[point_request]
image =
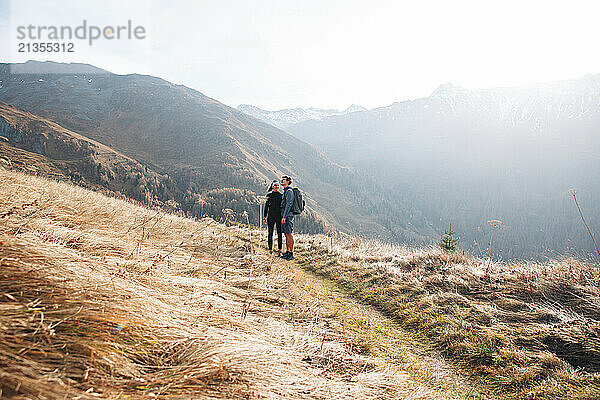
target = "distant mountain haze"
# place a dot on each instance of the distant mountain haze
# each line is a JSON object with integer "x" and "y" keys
{"x": 464, "y": 157}
{"x": 186, "y": 148}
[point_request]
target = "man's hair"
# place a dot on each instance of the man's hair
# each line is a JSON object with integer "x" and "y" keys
{"x": 287, "y": 178}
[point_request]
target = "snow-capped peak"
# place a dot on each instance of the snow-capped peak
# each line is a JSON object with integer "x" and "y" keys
{"x": 290, "y": 116}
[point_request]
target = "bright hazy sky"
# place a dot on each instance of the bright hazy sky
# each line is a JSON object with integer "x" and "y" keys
{"x": 324, "y": 53}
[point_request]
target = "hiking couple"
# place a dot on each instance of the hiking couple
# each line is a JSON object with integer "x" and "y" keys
{"x": 280, "y": 209}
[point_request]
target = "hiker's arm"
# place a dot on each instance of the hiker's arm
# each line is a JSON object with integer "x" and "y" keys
{"x": 289, "y": 200}
{"x": 266, "y": 212}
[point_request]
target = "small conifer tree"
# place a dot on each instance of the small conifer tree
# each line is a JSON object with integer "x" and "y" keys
{"x": 448, "y": 241}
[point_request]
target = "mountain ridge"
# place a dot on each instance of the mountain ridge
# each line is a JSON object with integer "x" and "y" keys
{"x": 286, "y": 117}
{"x": 217, "y": 157}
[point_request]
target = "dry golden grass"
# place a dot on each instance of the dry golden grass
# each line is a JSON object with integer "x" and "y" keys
{"x": 103, "y": 298}
{"x": 523, "y": 331}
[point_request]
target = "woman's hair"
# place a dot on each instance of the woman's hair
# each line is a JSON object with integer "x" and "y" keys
{"x": 270, "y": 189}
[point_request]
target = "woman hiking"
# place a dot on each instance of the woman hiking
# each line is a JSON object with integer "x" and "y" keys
{"x": 272, "y": 215}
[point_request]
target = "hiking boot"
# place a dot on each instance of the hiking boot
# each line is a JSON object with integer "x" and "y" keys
{"x": 283, "y": 255}
{"x": 288, "y": 256}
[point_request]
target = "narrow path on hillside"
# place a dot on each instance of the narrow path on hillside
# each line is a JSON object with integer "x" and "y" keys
{"x": 341, "y": 318}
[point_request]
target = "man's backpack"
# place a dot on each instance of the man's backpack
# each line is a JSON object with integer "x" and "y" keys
{"x": 298, "y": 204}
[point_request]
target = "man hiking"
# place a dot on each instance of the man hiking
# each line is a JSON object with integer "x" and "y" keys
{"x": 287, "y": 217}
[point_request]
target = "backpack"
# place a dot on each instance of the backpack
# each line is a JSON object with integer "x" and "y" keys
{"x": 298, "y": 204}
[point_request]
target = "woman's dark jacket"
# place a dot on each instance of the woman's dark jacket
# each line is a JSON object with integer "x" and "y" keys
{"x": 273, "y": 206}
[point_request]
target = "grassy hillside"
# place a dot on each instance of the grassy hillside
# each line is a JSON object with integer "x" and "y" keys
{"x": 524, "y": 331}
{"x": 101, "y": 298}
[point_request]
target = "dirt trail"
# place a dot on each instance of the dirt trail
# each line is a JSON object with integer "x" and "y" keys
{"x": 343, "y": 318}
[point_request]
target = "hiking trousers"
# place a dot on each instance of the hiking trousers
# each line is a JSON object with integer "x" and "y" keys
{"x": 271, "y": 224}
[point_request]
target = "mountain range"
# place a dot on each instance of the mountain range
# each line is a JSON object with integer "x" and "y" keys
{"x": 493, "y": 165}
{"x": 287, "y": 117}
{"x": 468, "y": 157}
{"x": 145, "y": 138}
